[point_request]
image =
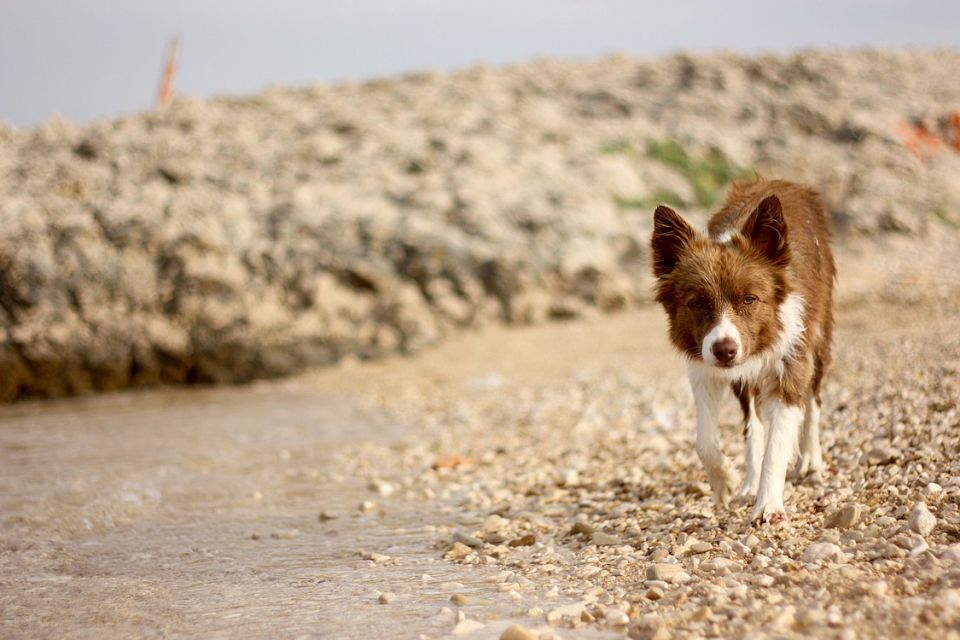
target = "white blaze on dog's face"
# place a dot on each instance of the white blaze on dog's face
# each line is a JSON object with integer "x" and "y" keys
{"x": 722, "y": 298}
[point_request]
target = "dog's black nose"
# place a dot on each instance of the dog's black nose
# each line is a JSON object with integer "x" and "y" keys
{"x": 725, "y": 350}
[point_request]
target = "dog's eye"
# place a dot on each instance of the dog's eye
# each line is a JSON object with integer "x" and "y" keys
{"x": 748, "y": 299}
{"x": 699, "y": 302}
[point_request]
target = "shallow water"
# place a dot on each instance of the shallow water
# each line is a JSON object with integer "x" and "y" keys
{"x": 195, "y": 513}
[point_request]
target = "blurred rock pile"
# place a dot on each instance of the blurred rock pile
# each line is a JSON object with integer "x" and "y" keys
{"x": 231, "y": 239}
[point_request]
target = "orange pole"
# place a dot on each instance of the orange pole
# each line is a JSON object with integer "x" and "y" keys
{"x": 165, "y": 95}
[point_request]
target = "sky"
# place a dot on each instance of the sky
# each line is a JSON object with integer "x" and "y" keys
{"x": 89, "y": 59}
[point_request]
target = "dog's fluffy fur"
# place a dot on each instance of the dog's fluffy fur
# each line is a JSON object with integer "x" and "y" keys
{"x": 750, "y": 304}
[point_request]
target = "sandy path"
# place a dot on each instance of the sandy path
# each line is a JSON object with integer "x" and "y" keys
{"x": 188, "y": 513}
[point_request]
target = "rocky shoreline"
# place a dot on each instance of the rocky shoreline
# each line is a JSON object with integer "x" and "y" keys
{"x": 232, "y": 239}
{"x": 586, "y": 494}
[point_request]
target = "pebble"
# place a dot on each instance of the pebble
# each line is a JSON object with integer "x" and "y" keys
{"x": 921, "y": 520}
{"x": 467, "y": 540}
{"x": 700, "y": 547}
{"x": 466, "y": 627}
{"x": 285, "y": 534}
{"x": 882, "y": 455}
{"x": 822, "y": 551}
{"x": 933, "y": 488}
{"x": 664, "y": 571}
{"x": 518, "y": 632}
{"x": 602, "y": 539}
{"x": 582, "y": 528}
{"x": 386, "y": 597}
{"x": 845, "y": 517}
{"x": 654, "y": 593}
{"x": 701, "y": 614}
{"x": 571, "y": 611}
{"x": 494, "y": 523}
{"x": 458, "y": 551}
{"x": 525, "y": 541}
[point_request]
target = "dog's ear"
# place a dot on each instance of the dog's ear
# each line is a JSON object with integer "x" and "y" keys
{"x": 671, "y": 234}
{"x": 767, "y": 230}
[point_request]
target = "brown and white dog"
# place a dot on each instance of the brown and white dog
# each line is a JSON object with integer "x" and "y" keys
{"x": 750, "y": 305}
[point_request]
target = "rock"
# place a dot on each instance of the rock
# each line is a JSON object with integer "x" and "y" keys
{"x": 822, "y": 552}
{"x": 952, "y": 554}
{"x": 461, "y": 600}
{"x": 382, "y": 487}
{"x": 466, "y": 627}
{"x": 569, "y": 611}
{"x": 845, "y": 517}
{"x": 386, "y": 597}
{"x": 525, "y": 541}
{"x": 882, "y": 455}
{"x": 602, "y": 539}
{"x": 325, "y": 516}
{"x": 654, "y": 593}
{"x": 467, "y": 540}
{"x": 285, "y": 534}
{"x": 581, "y": 527}
{"x": 458, "y": 551}
{"x": 700, "y": 547}
{"x": 664, "y": 571}
{"x": 494, "y": 523}
{"x": 617, "y": 618}
{"x": 933, "y": 488}
{"x": 701, "y": 614}
{"x": 921, "y": 520}
{"x": 518, "y": 632}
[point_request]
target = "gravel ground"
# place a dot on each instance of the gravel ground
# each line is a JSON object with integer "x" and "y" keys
{"x": 586, "y": 492}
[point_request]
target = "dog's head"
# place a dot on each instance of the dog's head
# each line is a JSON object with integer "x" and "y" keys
{"x": 722, "y": 298}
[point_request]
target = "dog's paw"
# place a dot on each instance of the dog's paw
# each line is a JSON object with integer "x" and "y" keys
{"x": 809, "y": 469}
{"x": 723, "y": 483}
{"x": 767, "y": 514}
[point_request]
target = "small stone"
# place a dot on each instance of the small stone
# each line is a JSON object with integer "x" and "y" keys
{"x": 285, "y": 534}
{"x": 582, "y": 528}
{"x": 882, "y": 455}
{"x": 494, "y": 523}
{"x": 382, "y": 487}
{"x": 877, "y": 588}
{"x": 785, "y": 619}
{"x": 386, "y": 597}
{"x": 468, "y": 540}
{"x": 602, "y": 539}
{"x": 845, "y": 517}
{"x": 664, "y": 571}
{"x": 701, "y": 614}
{"x": 654, "y": 593}
{"x": 952, "y": 554}
{"x": 460, "y": 600}
{"x": 368, "y": 506}
{"x": 458, "y": 551}
{"x": 325, "y": 516}
{"x": 822, "y": 551}
{"x": 700, "y": 547}
{"x": 518, "y": 632}
{"x": 466, "y": 627}
{"x": 617, "y": 618}
{"x": 921, "y": 520}
{"x": 570, "y": 611}
{"x": 933, "y": 488}
{"x": 525, "y": 541}
{"x": 811, "y": 617}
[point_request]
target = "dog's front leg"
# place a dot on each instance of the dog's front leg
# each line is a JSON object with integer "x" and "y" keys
{"x": 707, "y": 392}
{"x": 783, "y": 426}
